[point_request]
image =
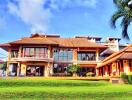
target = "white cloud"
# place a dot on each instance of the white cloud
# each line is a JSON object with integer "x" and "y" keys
{"x": 59, "y": 4}
{"x": 34, "y": 14}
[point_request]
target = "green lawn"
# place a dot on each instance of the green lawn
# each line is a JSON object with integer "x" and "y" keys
{"x": 38, "y": 89}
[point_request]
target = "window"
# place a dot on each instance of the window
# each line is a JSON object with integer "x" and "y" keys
{"x": 31, "y": 52}
{"x": 63, "y": 55}
{"x": 87, "y": 56}
{"x": 35, "y": 52}
{"x": 26, "y": 52}
{"x": 14, "y": 54}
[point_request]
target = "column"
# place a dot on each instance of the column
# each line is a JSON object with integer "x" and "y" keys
{"x": 117, "y": 69}
{"x": 97, "y": 55}
{"x": 23, "y": 70}
{"x": 18, "y": 69}
{"x": 106, "y": 71}
{"x": 126, "y": 66}
{"x": 20, "y": 52}
{"x": 75, "y": 56}
{"x": 48, "y": 70}
{"x": 7, "y": 69}
{"x": 49, "y": 51}
{"x": 97, "y": 72}
{"x": 9, "y": 54}
{"x": 51, "y": 69}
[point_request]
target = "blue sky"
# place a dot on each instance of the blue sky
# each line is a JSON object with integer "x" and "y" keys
{"x": 20, "y": 18}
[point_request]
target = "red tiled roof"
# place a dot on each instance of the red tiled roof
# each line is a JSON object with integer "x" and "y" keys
{"x": 125, "y": 53}
{"x": 39, "y": 40}
{"x": 126, "y": 56}
{"x": 55, "y": 40}
{"x": 76, "y": 42}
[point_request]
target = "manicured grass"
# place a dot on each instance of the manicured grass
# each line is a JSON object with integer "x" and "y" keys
{"x": 39, "y": 89}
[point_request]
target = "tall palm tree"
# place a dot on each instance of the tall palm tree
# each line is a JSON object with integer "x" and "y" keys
{"x": 124, "y": 11}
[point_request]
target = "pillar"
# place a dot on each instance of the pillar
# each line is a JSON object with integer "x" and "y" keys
{"x": 117, "y": 69}
{"x": 74, "y": 56}
{"x": 49, "y": 51}
{"x": 51, "y": 69}
{"x": 18, "y": 69}
{"x": 48, "y": 70}
{"x": 106, "y": 71}
{"x": 23, "y": 70}
{"x": 20, "y": 52}
{"x": 126, "y": 66}
{"x": 97, "y": 55}
{"x": 97, "y": 72}
{"x": 9, "y": 54}
{"x": 7, "y": 69}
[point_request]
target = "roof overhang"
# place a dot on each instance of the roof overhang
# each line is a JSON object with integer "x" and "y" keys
{"x": 5, "y": 46}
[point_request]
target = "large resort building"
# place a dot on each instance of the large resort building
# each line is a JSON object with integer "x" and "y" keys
{"x": 50, "y": 55}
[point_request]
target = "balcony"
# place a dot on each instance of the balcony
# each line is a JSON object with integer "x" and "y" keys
{"x": 41, "y": 57}
{"x": 32, "y": 59}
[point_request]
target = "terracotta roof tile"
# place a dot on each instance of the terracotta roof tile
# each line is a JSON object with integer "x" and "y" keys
{"x": 125, "y": 53}
{"x": 62, "y": 42}
{"x": 126, "y": 56}
{"x": 76, "y": 42}
{"x": 39, "y": 40}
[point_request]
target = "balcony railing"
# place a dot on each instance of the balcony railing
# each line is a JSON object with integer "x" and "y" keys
{"x": 40, "y": 57}
{"x": 87, "y": 62}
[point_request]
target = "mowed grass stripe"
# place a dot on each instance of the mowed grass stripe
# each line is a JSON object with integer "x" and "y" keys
{"x": 15, "y": 89}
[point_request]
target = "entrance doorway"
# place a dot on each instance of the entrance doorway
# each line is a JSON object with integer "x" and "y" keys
{"x": 84, "y": 70}
{"x": 33, "y": 70}
{"x": 13, "y": 69}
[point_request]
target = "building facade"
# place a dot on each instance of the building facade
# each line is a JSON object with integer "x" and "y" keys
{"x": 50, "y": 55}
{"x": 117, "y": 63}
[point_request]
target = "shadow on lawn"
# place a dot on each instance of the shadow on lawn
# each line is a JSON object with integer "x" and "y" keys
{"x": 50, "y": 83}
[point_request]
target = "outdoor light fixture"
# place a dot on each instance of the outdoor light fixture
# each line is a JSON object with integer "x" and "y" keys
{"x": 130, "y": 3}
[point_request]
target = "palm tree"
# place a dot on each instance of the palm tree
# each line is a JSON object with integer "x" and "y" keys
{"x": 124, "y": 11}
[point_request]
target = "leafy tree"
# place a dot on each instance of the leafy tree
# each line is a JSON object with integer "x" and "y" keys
{"x": 124, "y": 11}
{"x": 4, "y": 66}
{"x": 73, "y": 69}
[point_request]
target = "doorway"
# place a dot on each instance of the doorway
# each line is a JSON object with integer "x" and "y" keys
{"x": 33, "y": 70}
{"x": 13, "y": 69}
{"x": 84, "y": 70}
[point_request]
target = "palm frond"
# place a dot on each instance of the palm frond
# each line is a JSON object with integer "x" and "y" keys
{"x": 125, "y": 23}
{"x": 121, "y": 4}
{"x": 118, "y": 3}
{"x": 114, "y": 18}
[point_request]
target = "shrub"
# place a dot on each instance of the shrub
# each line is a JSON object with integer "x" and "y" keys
{"x": 130, "y": 77}
{"x": 123, "y": 75}
{"x": 73, "y": 69}
{"x": 4, "y": 66}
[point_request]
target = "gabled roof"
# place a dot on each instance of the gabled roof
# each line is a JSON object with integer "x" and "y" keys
{"x": 56, "y": 40}
{"x": 125, "y": 53}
